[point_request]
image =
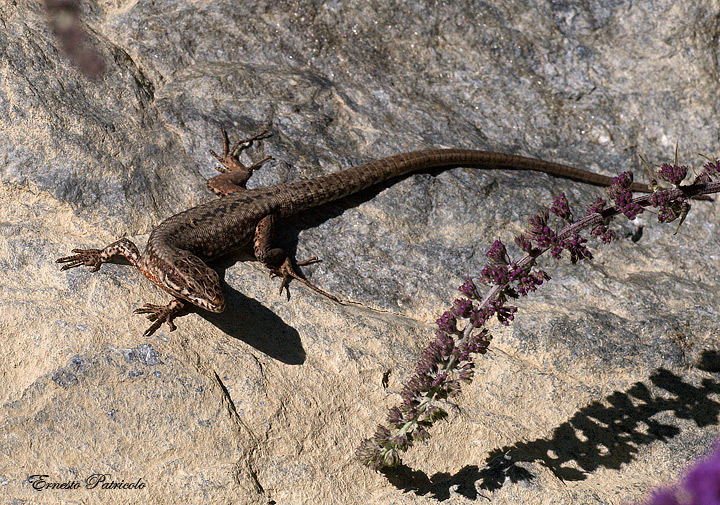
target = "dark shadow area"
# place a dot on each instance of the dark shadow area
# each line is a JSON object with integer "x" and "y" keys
{"x": 597, "y": 436}
{"x": 286, "y": 234}
{"x": 249, "y": 321}
{"x": 709, "y": 361}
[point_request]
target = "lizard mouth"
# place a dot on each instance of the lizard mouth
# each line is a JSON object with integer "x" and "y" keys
{"x": 216, "y": 304}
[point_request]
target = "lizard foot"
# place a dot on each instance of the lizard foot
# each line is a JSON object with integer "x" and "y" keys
{"x": 160, "y": 314}
{"x": 287, "y": 271}
{"x": 230, "y": 159}
{"x": 87, "y": 257}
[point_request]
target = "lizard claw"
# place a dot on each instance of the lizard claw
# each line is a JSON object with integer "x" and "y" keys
{"x": 87, "y": 257}
{"x": 287, "y": 272}
{"x": 160, "y": 314}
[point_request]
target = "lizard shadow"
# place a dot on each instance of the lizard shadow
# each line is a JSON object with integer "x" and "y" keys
{"x": 600, "y": 435}
{"x": 248, "y": 320}
{"x": 286, "y": 236}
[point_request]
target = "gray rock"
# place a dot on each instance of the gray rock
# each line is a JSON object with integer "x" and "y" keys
{"x": 605, "y": 386}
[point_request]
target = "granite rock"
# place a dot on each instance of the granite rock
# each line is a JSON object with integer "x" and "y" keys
{"x": 607, "y": 384}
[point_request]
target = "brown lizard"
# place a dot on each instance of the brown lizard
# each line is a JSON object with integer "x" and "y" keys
{"x": 177, "y": 249}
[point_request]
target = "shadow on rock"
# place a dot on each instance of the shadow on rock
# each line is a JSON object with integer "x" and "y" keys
{"x": 600, "y": 435}
{"x": 248, "y": 320}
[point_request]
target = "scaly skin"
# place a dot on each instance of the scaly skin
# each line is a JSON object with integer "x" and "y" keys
{"x": 177, "y": 249}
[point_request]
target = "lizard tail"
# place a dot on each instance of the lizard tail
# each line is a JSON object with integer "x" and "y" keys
{"x": 304, "y": 194}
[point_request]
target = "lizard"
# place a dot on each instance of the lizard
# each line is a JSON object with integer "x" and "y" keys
{"x": 178, "y": 248}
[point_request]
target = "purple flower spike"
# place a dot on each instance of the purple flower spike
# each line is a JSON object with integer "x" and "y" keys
{"x": 446, "y": 363}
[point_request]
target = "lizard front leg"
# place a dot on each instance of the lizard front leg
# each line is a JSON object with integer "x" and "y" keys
{"x": 96, "y": 257}
{"x": 159, "y": 314}
{"x": 278, "y": 261}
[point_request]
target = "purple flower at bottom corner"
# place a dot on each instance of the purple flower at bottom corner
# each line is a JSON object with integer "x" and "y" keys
{"x": 703, "y": 481}
{"x": 701, "y": 486}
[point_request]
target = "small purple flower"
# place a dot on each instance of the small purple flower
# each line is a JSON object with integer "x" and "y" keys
{"x": 543, "y": 234}
{"x": 467, "y": 372}
{"x": 439, "y": 379}
{"x": 620, "y": 192}
{"x": 669, "y": 209}
{"x": 504, "y": 314}
{"x": 712, "y": 167}
{"x": 605, "y": 234}
{"x": 575, "y": 245}
{"x": 462, "y": 307}
{"x": 497, "y": 254}
{"x": 525, "y": 280}
{"x": 710, "y": 171}
{"x": 523, "y": 243}
{"x": 597, "y": 207}
{"x": 665, "y": 497}
{"x": 469, "y": 289}
{"x": 561, "y": 208}
{"x": 447, "y": 323}
{"x": 495, "y": 274}
{"x": 672, "y": 173}
{"x": 394, "y": 416}
{"x": 538, "y": 224}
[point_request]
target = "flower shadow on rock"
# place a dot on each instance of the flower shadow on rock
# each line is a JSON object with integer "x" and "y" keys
{"x": 597, "y": 436}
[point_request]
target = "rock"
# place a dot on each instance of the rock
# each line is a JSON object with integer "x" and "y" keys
{"x": 606, "y": 385}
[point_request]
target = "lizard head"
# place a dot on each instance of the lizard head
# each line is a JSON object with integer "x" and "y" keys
{"x": 189, "y": 278}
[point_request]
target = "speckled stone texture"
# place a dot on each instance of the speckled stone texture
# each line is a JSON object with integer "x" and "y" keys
{"x": 606, "y": 385}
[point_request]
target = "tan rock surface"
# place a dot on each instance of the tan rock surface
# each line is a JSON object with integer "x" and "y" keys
{"x": 606, "y": 386}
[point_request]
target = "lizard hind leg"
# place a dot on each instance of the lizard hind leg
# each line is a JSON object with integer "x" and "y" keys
{"x": 278, "y": 261}
{"x": 233, "y": 174}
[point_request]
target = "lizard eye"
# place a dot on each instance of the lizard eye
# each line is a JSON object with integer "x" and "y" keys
{"x": 173, "y": 279}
